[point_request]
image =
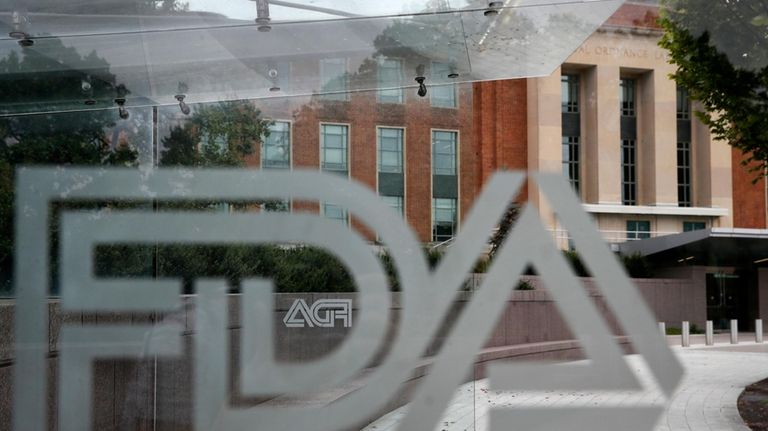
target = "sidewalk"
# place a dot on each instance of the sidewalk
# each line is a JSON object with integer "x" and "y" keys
{"x": 705, "y": 400}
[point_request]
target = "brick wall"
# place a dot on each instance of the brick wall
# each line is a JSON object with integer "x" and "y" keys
{"x": 748, "y": 198}
{"x": 363, "y": 114}
{"x": 500, "y": 115}
{"x": 636, "y": 15}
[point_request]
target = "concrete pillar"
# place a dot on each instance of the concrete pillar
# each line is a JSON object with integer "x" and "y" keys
{"x": 686, "y": 334}
{"x": 710, "y": 334}
{"x": 544, "y": 136}
{"x": 658, "y": 127}
{"x": 663, "y": 329}
{"x": 759, "y": 331}
{"x": 734, "y": 331}
{"x": 602, "y": 144}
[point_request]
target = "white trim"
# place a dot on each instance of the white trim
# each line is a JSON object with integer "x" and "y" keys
{"x": 656, "y": 210}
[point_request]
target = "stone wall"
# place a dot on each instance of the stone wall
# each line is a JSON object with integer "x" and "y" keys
{"x": 134, "y": 395}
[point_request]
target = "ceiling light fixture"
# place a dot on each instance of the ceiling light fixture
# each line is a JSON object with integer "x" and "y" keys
{"x": 19, "y": 22}
{"x": 262, "y": 16}
{"x": 182, "y": 94}
{"x": 422, "y": 92}
{"x": 494, "y": 8}
{"x": 761, "y": 260}
{"x": 120, "y": 102}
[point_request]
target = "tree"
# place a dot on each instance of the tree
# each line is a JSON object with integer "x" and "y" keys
{"x": 720, "y": 48}
{"x": 217, "y": 135}
{"x": 71, "y": 138}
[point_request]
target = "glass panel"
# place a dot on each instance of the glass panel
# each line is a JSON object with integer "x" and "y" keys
{"x": 444, "y": 152}
{"x": 334, "y": 147}
{"x": 390, "y": 150}
{"x": 443, "y": 96}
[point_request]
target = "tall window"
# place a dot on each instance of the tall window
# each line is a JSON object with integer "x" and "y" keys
{"x": 335, "y": 212}
{"x": 684, "y": 135}
{"x": 390, "y": 150}
{"x": 334, "y": 140}
{"x": 394, "y": 202}
{"x": 628, "y": 100}
{"x": 444, "y": 152}
{"x": 638, "y": 229}
{"x": 276, "y": 148}
{"x": 570, "y": 93}
{"x": 390, "y": 74}
{"x": 628, "y": 142}
{"x": 571, "y": 128}
{"x": 442, "y": 96}
{"x": 684, "y": 174}
{"x": 571, "y": 160}
{"x": 333, "y": 75}
{"x": 628, "y": 172}
{"x": 683, "y": 104}
{"x": 443, "y": 219}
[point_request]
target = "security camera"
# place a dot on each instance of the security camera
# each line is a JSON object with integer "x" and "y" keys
{"x": 422, "y": 87}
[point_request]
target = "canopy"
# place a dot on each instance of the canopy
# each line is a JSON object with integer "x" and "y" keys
{"x": 149, "y": 51}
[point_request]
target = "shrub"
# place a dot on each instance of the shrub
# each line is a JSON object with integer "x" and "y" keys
{"x": 524, "y": 285}
{"x": 637, "y": 266}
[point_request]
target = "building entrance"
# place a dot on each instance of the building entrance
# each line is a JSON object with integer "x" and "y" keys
{"x": 728, "y": 297}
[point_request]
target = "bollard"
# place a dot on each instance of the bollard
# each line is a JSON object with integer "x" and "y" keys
{"x": 759, "y": 331}
{"x": 734, "y": 331}
{"x": 686, "y": 334}
{"x": 663, "y": 329}
{"x": 710, "y": 335}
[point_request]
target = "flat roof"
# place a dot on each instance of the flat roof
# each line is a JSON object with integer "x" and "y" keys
{"x": 713, "y": 247}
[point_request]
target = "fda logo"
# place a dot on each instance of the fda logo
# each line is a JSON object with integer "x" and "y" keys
{"x": 424, "y": 303}
{"x": 322, "y": 314}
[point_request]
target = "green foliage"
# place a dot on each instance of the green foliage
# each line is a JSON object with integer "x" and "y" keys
{"x": 637, "y": 266}
{"x": 433, "y": 257}
{"x": 292, "y": 269}
{"x": 720, "y": 49}
{"x": 677, "y": 331}
{"x": 524, "y": 285}
{"x": 216, "y": 135}
{"x": 576, "y": 264}
{"x": 505, "y": 225}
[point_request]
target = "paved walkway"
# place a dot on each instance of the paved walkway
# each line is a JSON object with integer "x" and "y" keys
{"x": 705, "y": 400}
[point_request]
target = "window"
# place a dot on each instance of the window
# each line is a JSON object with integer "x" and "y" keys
{"x": 442, "y": 96}
{"x": 395, "y": 202}
{"x": 689, "y": 226}
{"x": 628, "y": 100}
{"x": 333, "y": 147}
{"x": 443, "y": 219}
{"x": 276, "y": 148}
{"x": 683, "y": 104}
{"x": 333, "y": 76}
{"x": 283, "y": 205}
{"x": 570, "y": 93}
{"x": 444, "y": 152}
{"x": 334, "y": 212}
{"x": 390, "y": 74}
{"x": 390, "y": 150}
{"x": 571, "y": 160}
{"x": 684, "y": 174}
{"x": 638, "y": 229}
{"x": 628, "y": 172}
